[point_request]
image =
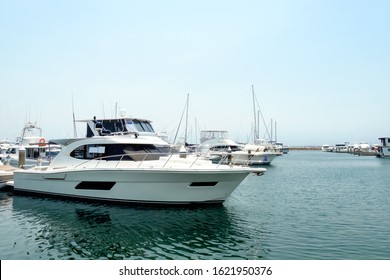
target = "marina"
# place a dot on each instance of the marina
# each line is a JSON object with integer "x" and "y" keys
{"x": 104, "y": 156}
{"x": 308, "y": 205}
{"x": 360, "y": 149}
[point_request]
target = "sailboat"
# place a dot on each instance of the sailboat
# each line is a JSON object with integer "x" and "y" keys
{"x": 182, "y": 145}
{"x": 266, "y": 147}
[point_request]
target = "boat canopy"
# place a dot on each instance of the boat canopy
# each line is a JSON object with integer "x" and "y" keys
{"x": 212, "y": 134}
{"x": 121, "y": 125}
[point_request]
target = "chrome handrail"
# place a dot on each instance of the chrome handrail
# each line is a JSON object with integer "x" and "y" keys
{"x": 121, "y": 157}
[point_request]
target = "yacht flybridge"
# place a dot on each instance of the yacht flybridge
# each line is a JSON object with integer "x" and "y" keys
{"x": 123, "y": 160}
{"x": 119, "y": 126}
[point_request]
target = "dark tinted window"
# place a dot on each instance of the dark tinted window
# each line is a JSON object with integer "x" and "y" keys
{"x": 134, "y": 152}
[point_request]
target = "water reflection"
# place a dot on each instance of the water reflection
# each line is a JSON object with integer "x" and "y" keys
{"x": 75, "y": 230}
{"x": 5, "y": 199}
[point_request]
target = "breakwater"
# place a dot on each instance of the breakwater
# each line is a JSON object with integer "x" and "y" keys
{"x": 305, "y": 148}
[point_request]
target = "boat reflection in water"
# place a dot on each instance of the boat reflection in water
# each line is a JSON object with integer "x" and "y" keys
{"x": 45, "y": 228}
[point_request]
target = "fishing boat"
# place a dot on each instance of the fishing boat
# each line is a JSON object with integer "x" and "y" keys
{"x": 30, "y": 149}
{"x": 130, "y": 164}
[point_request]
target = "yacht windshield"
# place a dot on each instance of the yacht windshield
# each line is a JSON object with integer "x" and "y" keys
{"x": 140, "y": 126}
{"x": 212, "y": 134}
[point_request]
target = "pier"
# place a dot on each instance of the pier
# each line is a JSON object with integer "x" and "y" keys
{"x": 353, "y": 151}
{"x": 305, "y": 148}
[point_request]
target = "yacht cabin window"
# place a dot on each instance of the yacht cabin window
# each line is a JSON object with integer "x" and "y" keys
{"x": 133, "y": 152}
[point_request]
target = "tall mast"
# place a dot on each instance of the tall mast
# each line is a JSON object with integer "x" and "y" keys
{"x": 185, "y": 134}
{"x": 254, "y": 116}
{"x": 276, "y": 133}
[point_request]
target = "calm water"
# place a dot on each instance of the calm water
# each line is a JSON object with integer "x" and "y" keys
{"x": 309, "y": 205}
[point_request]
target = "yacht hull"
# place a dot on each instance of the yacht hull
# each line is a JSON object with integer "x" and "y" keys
{"x": 244, "y": 158}
{"x": 264, "y": 159}
{"x": 132, "y": 185}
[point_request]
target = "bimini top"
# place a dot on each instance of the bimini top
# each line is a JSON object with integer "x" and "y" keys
{"x": 118, "y": 126}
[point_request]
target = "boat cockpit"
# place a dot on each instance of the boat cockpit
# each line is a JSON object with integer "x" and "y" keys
{"x": 118, "y": 126}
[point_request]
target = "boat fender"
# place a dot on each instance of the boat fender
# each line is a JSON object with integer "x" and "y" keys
{"x": 42, "y": 142}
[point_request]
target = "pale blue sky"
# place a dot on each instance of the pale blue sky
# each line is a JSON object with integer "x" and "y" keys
{"x": 320, "y": 69}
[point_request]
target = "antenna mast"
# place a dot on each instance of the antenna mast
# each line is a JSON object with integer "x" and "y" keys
{"x": 74, "y": 120}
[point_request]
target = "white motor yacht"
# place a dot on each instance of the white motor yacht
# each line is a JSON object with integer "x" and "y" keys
{"x": 134, "y": 167}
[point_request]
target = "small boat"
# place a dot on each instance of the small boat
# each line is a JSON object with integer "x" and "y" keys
{"x": 279, "y": 146}
{"x": 132, "y": 165}
{"x": 326, "y": 148}
{"x": 341, "y": 147}
{"x": 262, "y": 154}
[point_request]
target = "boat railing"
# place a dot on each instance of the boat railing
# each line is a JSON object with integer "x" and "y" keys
{"x": 229, "y": 158}
{"x": 142, "y": 158}
{"x": 162, "y": 158}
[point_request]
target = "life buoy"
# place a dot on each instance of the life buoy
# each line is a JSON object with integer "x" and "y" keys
{"x": 42, "y": 142}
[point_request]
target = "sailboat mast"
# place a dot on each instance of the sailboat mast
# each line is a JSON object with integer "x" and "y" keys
{"x": 185, "y": 135}
{"x": 276, "y": 133}
{"x": 254, "y": 116}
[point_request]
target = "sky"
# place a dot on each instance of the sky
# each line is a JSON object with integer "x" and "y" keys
{"x": 320, "y": 70}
